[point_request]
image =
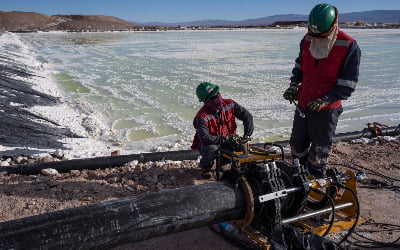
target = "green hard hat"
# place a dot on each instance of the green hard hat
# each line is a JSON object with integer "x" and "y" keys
{"x": 206, "y": 91}
{"x": 321, "y": 18}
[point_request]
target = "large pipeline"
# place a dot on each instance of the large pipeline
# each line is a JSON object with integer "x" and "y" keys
{"x": 117, "y": 161}
{"x": 133, "y": 219}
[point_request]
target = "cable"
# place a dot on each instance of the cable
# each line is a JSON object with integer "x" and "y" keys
{"x": 371, "y": 243}
{"x": 372, "y": 171}
{"x": 359, "y": 167}
{"x": 364, "y": 168}
{"x": 333, "y": 209}
{"x": 386, "y": 185}
{"x": 351, "y": 230}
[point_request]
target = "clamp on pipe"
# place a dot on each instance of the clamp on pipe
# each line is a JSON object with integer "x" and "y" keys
{"x": 249, "y": 215}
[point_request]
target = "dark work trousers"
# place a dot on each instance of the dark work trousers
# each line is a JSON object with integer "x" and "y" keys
{"x": 208, "y": 154}
{"x": 311, "y": 138}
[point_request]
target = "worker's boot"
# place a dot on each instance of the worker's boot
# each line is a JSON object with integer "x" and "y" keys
{"x": 316, "y": 171}
{"x": 206, "y": 171}
{"x": 206, "y": 175}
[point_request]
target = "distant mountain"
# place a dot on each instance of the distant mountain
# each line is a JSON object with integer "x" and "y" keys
{"x": 15, "y": 20}
{"x": 374, "y": 16}
{"x": 272, "y": 19}
{"x": 31, "y": 21}
{"x": 91, "y": 23}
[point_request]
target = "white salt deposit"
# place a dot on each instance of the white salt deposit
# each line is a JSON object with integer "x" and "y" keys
{"x": 140, "y": 85}
{"x": 76, "y": 116}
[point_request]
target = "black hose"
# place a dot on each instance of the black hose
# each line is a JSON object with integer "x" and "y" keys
{"x": 367, "y": 133}
{"x": 358, "y": 167}
{"x": 333, "y": 209}
{"x": 351, "y": 230}
{"x": 371, "y": 243}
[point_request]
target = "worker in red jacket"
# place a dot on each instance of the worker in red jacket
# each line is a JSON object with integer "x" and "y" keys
{"x": 325, "y": 73}
{"x": 215, "y": 122}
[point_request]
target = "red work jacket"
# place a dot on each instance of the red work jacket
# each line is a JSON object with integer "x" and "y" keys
{"x": 224, "y": 127}
{"x": 320, "y": 76}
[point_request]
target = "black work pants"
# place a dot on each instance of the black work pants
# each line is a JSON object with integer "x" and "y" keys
{"x": 209, "y": 152}
{"x": 311, "y": 138}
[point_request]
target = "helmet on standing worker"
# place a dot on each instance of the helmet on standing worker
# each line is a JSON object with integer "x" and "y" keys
{"x": 321, "y": 20}
{"x": 206, "y": 91}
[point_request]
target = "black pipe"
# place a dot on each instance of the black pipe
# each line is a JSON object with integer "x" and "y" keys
{"x": 367, "y": 133}
{"x": 99, "y": 162}
{"x": 347, "y": 136}
{"x": 117, "y": 161}
{"x": 133, "y": 219}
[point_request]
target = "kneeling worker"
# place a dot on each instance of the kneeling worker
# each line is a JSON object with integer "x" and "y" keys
{"x": 215, "y": 122}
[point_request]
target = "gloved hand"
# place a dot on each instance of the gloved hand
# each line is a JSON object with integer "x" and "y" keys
{"x": 317, "y": 104}
{"x": 234, "y": 139}
{"x": 291, "y": 93}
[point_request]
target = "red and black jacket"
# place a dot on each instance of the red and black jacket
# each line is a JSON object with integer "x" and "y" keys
{"x": 214, "y": 128}
{"x": 334, "y": 77}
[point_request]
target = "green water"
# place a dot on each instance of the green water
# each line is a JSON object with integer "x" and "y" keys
{"x": 69, "y": 83}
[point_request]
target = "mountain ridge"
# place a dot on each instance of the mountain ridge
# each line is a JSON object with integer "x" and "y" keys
{"x": 372, "y": 16}
{"x": 19, "y": 21}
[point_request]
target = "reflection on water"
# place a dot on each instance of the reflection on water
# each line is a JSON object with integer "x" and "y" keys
{"x": 75, "y": 38}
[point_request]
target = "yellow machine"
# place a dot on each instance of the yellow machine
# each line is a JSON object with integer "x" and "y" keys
{"x": 280, "y": 194}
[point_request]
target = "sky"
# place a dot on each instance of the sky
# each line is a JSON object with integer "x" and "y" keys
{"x": 188, "y": 10}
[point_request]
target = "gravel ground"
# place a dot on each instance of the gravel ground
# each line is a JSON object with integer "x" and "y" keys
{"x": 22, "y": 196}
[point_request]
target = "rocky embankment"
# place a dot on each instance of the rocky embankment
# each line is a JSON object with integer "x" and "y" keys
{"x": 17, "y": 21}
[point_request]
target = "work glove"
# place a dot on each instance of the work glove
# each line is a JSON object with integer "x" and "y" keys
{"x": 233, "y": 140}
{"x": 291, "y": 93}
{"x": 318, "y": 104}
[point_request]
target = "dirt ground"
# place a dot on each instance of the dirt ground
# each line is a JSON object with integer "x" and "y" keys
{"x": 22, "y": 196}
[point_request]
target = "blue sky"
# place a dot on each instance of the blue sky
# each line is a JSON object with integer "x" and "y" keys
{"x": 188, "y": 10}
